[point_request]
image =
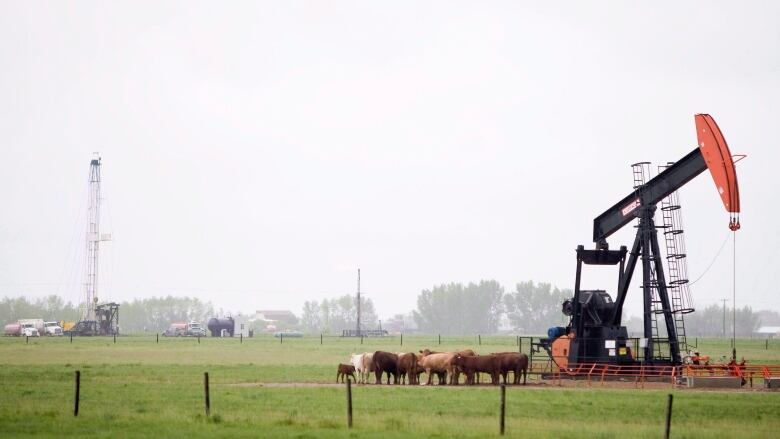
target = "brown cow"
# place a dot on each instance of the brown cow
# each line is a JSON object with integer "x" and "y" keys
{"x": 490, "y": 364}
{"x": 385, "y": 362}
{"x": 407, "y": 365}
{"x": 514, "y": 362}
{"x": 344, "y": 370}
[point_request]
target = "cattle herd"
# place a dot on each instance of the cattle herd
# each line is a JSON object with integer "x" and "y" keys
{"x": 406, "y": 367}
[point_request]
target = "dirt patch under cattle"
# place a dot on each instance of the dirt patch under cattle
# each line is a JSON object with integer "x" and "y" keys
{"x": 535, "y": 384}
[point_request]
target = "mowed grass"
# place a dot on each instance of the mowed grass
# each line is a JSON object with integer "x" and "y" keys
{"x": 138, "y": 387}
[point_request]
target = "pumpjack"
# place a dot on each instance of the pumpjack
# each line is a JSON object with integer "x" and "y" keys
{"x": 595, "y": 333}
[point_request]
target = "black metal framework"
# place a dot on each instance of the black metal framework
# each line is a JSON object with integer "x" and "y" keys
{"x": 595, "y": 320}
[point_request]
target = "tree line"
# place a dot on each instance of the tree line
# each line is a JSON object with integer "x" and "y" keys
{"x": 484, "y": 307}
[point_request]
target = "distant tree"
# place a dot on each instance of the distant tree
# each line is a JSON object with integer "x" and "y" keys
{"x": 534, "y": 308}
{"x": 48, "y": 308}
{"x": 708, "y": 322}
{"x": 337, "y": 314}
{"x": 458, "y": 309}
{"x": 310, "y": 318}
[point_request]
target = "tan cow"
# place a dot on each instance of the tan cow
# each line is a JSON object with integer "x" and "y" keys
{"x": 368, "y": 365}
{"x": 438, "y": 363}
{"x": 455, "y": 375}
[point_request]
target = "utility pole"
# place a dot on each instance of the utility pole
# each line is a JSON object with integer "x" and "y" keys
{"x": 724, "y": 316}
{"x": 358, "y": 304}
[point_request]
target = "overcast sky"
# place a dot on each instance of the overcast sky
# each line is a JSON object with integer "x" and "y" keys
{"x": 256, "y": 154}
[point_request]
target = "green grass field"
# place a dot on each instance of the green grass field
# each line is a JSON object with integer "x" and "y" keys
{"x": 138, "y": 387}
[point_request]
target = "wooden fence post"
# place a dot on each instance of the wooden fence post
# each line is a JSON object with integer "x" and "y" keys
{"x": 440, "y": 339}
{"x": 158, "y": 337}
{"x": 402, "y": 339}
{"x": 503, "y": 409}
{"x": 241, "y": 338}
{"x": 349, "y": 403}
{"x": 206, "y": 391}
{"x": 668, "y": 416}
{"x": 479, "y": 337}
{"x": 320, "y": 338}
{"x": 78, "y": 392}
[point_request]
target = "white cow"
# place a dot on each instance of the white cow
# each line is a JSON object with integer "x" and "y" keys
{"x": 357, "y": 361}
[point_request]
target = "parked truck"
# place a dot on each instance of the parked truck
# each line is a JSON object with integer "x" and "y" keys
{"x": 181, "y": 329}
{"x": 52, "y": 329}
{"x": 21, "y": 330}
{"x": 37, "y": 324}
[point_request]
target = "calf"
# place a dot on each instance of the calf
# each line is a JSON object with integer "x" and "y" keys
{"x": 490, "y": 364}
{"x": 385, "y": 362}
{"x": 344, "y": 371}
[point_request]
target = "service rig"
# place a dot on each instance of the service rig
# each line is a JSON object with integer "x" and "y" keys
{"x": 594, "y": 333}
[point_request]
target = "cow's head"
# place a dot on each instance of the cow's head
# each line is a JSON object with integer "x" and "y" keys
{"x": 426, "y": 352}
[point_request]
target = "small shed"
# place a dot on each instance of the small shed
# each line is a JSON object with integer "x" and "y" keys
{"x": 242, "y": 326}
{"x": 768, "y": 331}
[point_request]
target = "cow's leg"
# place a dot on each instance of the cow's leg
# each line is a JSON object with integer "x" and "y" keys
{"x": 430, "y": 375}
{"x": 378, "y": 374}
{"x": 338, "y": 374}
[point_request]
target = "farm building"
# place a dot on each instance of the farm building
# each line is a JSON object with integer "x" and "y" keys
{"x": 768, "y": 331}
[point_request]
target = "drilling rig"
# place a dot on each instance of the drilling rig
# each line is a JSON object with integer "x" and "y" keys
{"x": 595, "y": 333}
{"x": 96, "y": 318}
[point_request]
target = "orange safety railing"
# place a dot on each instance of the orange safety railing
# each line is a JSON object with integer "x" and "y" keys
{"x": 603, "y": 371}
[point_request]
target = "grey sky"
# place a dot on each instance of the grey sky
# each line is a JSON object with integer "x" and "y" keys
{"x": 255, "y": 154}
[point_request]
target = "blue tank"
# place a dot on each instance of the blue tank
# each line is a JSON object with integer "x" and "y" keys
{"x": 555, "y": 332}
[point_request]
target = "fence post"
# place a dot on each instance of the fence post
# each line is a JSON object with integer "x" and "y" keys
{"x": 349, "y": 403}
{"x": 402, "y": 339}
{"x": 440, "y": 339}
{"x": 519, "y": 344}
{"x": 115, "y": 338}
{"x": 766, "y": 347}
{"x": 206, "y": 390}
{"x": 199, "y": 339}
{"x": 78, "y": 391}
{"x": 320, "y": 338}
{"x": 241, "y": 338}
{"x": 28, "y": 339}
{"x": 281, "y": 337}
{"x": 479, "y": 338}
{"x": 361, "y": 338}
{"x": 668, "y": 416}
{"x": 503, "y": 409}
{"x": 71, "y": 336}
{"x": 158, "y": 337}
